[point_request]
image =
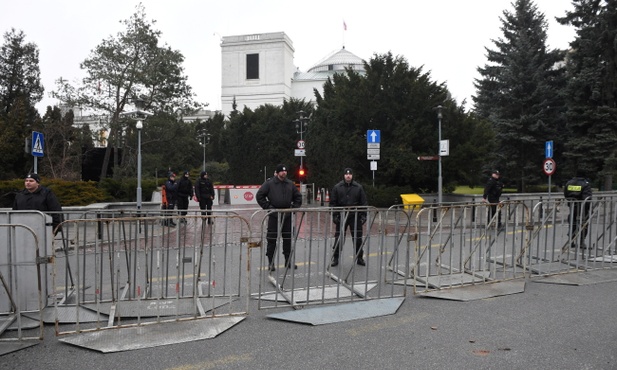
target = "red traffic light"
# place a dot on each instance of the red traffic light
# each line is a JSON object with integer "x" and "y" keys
{"x": 301, "y": 172}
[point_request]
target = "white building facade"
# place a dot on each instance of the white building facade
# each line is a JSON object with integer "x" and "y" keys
{"x": 258, "y": 69}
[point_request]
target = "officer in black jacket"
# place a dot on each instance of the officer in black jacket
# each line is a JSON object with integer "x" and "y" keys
{"x": 171, "y": 194}
{"x": 279, "y": 192}
{"x": 492, "y": 193}
{"x": 185, "y": 192}
{"x": 38, "y": 198}
{"x": 348, "y": 193}
{"x": 204, "y": 191}
{"x": 578, "y": 192}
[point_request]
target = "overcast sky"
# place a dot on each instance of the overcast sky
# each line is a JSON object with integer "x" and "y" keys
{"x": 447, "y": 37}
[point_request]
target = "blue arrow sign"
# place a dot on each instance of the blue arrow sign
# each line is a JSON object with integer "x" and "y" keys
{"x": 38, "y": 144}
{"x": 548, "y": 149}
{"x": 373, "y": 136}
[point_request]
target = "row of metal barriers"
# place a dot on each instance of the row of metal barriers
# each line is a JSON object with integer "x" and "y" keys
{"x": 104, "y": 270}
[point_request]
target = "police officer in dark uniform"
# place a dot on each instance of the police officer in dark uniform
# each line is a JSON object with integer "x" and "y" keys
{"x": 185, "y": 193}
{"x": 492, "y": 193}
{"x": 578, "y": 192}
{"x": 204, "y": 191}
{"x": 171, "y": 193}
{"x": 279, "y": 192}
{"x": 38, "y": 198}
{"x": 348, "y": 193}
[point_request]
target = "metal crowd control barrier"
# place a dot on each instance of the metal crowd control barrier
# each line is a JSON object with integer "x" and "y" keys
{"x": 573, "y": 236}
{"x": 22, "y": 283}
{"x": 315, "y": 281}
{"x": 127, "y": 268}
{"x": 119, "y": 270}
{"x": 457, "y": 249}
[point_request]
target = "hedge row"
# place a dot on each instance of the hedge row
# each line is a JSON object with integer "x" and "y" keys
{"x": 81, "y": 193}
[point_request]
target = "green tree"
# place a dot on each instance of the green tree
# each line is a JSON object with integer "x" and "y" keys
{"x": 256, "y": 141}
{"x": 19, "y": 71}
{"x": 130, "y": 65}
{"x": 20, "y": 90}
{"x": 519, "y": 93}
{"x": 592, "y": 89}
{"x": 400, "y": 101}
{"x": 15, "y": 127}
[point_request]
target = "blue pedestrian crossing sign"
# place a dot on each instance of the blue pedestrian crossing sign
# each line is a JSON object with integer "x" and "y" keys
{"x": 548, "y": 149}
{"x": 38, "y": 144}
{"x": 373, "y": 136}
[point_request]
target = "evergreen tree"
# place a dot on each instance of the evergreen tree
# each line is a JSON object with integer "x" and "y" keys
{"x": 400, "y": 101}
{"x": 519, "y": 93}
{"x": 19, "y": 71}
{"x": 592, "y": 89}
{"x": 20, "y": 90}
{"x": 254, "y": 142}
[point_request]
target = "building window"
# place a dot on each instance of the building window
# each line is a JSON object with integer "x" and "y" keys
{"x": 252, "y": 66}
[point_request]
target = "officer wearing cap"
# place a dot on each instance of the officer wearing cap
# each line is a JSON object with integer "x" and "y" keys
{"x": 348, "y": 193}
{"x": 204, "y": 191}
{"x": 36, "y": 197}
{"x": 279, "y": 192}
{"x": 492, "y": 193}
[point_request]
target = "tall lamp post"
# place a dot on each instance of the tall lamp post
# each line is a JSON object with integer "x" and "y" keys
{"x": 439, "y": 179}
{"x": 139, "y": 125}
{"x": 301, "y": 126}
{"x": 139, "y": 114}
{"x": 205, "y": 140}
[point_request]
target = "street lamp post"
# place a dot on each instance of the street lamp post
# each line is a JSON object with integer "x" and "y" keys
{"x": 139, "y": 114}
{"x": 205, "y": 140}
{"x": 439, "y": 179}
{"x": 139, "y": 126}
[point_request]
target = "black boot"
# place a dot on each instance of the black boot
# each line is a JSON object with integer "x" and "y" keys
{"x": 360, "y": 260}
{"x": 334, "y": 261}
{"x": 287, "y": 264}
{"x": 271, "y": 264}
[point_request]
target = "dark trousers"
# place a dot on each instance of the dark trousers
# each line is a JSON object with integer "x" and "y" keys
{"x": 492, "y": 209}
{"x": 354, "y": 224}
{"x": 183, "y": 205}
{"x": 578, "y": 221}
{"x": 169, "y": 211}
{"x": 274, "y": 220}
{"x": 206, "y": 206}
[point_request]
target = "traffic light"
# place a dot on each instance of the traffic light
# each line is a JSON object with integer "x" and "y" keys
{"x": 301, "y": 174}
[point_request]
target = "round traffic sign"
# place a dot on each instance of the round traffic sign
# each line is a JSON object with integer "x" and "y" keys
{"x": 301, "y": 144}
{"x": 549, "y": 166}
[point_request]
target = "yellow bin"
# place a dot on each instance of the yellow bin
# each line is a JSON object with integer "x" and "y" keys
{"x": 412, "y": 200}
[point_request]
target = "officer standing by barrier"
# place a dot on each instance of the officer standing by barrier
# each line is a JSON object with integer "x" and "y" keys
{"x": 578, "y": 192}
{"x": 171, "y": 195}
{"x": 38, "y": 198}
{"x": 279, "y": 192}
{"x": 348, "y": 193}
{"x": 492, "y": 193}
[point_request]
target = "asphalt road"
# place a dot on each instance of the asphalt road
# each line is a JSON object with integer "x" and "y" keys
{"x": 549, "y": 326}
